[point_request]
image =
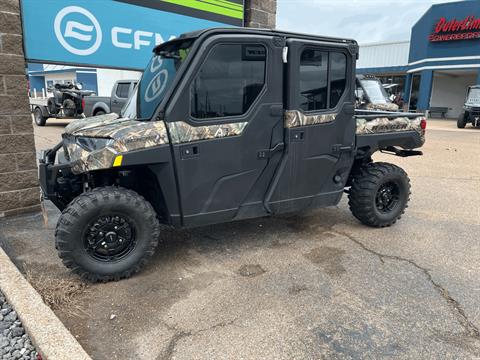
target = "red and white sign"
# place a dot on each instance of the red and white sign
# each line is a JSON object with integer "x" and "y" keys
{"x": 453, "y": 29}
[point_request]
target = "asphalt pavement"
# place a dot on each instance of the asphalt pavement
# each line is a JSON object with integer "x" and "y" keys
{"x": 309, "y": 286}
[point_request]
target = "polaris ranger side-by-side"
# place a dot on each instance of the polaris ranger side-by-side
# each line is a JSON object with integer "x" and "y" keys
{"x": 225, "y": 124}
{"x": 471, "y": 108}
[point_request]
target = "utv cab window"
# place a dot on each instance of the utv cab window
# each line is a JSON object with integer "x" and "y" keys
{"x": 313, "y": 80}
{"x": 229, "y": 81}
{"x": 322, "y": 75}
{"x": 375, "y": 91}
{"x": 474, "y": 97}
{"x": 338, "y": 77}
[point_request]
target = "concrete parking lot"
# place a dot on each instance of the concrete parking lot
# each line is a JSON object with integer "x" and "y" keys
{"x": 314, "y": 285}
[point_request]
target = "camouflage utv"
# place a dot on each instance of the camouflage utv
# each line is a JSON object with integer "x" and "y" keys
{"x": 225, "y": 124}
{"x": 371, "y": 95}
{"x": 471, "y": 108}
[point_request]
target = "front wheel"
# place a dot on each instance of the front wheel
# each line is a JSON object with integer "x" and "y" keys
{"x": 40, "y": 120}
{"x": 107, "y": 234}
{"x": 379, "y": 194}
{"x": 462, "y": 120}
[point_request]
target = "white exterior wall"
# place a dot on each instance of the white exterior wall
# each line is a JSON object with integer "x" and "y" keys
{"x": 449, "y": 90}
{"x": 107, "y": 77}
{"x": 383, "y": 54}
{"x": 65, "y": 76}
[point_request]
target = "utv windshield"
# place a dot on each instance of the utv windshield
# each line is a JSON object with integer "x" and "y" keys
{"x": 474, "y": 97}
{"x": 156, "y": 80}
{"x": 375, "y": 91}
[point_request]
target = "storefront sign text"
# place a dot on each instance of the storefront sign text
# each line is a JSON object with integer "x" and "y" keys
{"x": 449, "y": 30}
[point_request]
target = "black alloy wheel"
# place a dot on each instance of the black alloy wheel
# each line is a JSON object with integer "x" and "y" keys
{"x": 110, "y": 237}
{"x": 388, "y": 197}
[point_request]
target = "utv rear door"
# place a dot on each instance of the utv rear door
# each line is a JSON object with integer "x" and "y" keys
{"x": 319, "y": 126}
{"x": 223, "y": 123}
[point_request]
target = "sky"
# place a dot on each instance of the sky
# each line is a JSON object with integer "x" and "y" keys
{"x": 367, "y": 21}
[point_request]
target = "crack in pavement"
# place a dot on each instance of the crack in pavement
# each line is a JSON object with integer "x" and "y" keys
{"x": 180, "y": 334}
{"x": 471, "y": 329}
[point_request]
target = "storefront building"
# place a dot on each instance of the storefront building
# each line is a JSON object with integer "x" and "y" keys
{"x": 433, "y": 70}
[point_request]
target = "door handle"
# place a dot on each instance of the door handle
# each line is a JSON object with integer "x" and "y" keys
{"x": 189, "y": 151}
{"x": 268, "y": 153}
{"x": 297, "y": 135}
{"x": 276, "y": 110}
{"x": 115, "y": 101}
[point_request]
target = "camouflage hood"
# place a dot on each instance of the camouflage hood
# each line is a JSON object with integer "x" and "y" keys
{"x": 95, "y": 123}
{"x": 93, "y": 143}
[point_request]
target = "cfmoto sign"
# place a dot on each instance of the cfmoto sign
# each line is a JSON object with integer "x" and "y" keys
{"x": 69, "y": 29}
{"x": 104, "y": 33}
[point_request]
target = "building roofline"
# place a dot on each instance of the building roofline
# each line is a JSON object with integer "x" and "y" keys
{"x": 438, "y": 4}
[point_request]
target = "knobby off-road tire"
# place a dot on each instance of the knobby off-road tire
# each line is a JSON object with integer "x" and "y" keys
{"x": 40, "y": 120}
{"x": 462, "y": 121}
{"x": 69, "y": 108}
{"x": 107, "y": 234}
{"x": 379, "y": 194}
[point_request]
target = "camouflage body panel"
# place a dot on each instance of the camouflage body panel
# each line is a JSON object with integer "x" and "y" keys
{"x": 113, "y": 136}
{"x": 294, "y": 118}
{"x": 181, "y": 132}
{"x": 382, "y": 107}
{"x": 384, "y": 125}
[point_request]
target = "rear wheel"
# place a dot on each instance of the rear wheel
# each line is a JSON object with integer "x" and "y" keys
{"x": 462, "y": 120}
{"x": 107, "y": 234}
{"x": 40, "y": 120}
{"x": 379, "y": 194}
{"x": 99, "y": 112}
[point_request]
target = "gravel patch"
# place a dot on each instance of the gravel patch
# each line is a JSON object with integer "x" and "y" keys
{"x": 14, "y": 342}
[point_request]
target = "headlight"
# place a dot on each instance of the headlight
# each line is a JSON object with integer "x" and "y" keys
{"x": 79, "y": 86}
{"x": 91, "y": 143}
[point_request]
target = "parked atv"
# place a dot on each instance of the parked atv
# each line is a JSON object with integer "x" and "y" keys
{"x": 224, "y": 125}
{"x": 471, "y": 108}
{"x": 67, "y": 98}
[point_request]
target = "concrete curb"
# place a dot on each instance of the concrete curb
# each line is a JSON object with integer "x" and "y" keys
{"x": 51, "y": 338}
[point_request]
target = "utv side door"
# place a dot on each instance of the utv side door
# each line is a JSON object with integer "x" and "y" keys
{"x": 319, "y": 127}
{"x": 222, "y": 124}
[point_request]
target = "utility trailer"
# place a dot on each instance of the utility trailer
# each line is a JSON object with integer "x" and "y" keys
{"x": 224, "y": 125}
{"x": 39, "y": 109}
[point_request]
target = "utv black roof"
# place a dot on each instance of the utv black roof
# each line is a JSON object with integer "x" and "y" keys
{"x": 253, "y": 31}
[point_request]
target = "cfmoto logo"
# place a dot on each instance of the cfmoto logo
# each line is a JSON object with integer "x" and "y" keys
{"x": 72, "y": 33}
{"x": 156, "y": 86}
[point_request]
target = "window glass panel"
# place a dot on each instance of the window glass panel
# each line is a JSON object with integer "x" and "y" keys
{"x": 313, "y": 80}
{"x": 122, "y": 90}
{"x": 229, "y": 81}
{"x": 338, "y": 77}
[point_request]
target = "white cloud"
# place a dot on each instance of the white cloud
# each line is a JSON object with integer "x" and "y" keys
{"x": 366, "y": 21}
